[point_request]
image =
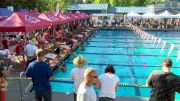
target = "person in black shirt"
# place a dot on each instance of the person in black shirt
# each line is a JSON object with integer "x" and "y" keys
{"x": 164, "y": 83}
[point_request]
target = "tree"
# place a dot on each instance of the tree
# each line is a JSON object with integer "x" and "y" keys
{"x": 114, "y": 3}
{"x": 64, "y": 4}
{"x": 101, "y": 1}
{"x": 88, "y": 1}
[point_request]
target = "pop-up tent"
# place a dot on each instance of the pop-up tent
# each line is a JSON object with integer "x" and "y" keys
{"x": 81, "y": 15}
{"x": 133, "y": 15}
{"x": 85, "y": 15}
{"x": 53, "y": 19}
{"x": 22, "y": 22}
{"x": 65, "y": 17}
{"x": 73, "y": 16}
{"x": 5, "y": 12}
{"x": 177, "y": 15}
{"x": 165, "y": 14}
{"x": 148, "y": 15}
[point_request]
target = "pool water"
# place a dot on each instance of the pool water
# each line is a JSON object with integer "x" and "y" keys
{"x": 134, "y": 59}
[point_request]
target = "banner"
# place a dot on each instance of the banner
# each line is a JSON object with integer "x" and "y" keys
{"x": 163, "y": 46}
{"x": 178, "y": 55}
{"x": 158, "y": 43}
{"x": 154, "y": 41}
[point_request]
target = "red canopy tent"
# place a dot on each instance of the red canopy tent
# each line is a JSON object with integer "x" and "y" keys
{"x": 80, "y": 15}
{"x": 85, "y": 15}
{"x": 73, "y": 16}
{"x": 53, "y": 19}
{"x": 65, "y": 17}
{"x": 52, "y": 13}
{"x": 22, "y": 22}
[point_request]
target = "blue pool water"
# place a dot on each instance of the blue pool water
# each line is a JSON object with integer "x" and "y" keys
{"x": 134, "y": 59}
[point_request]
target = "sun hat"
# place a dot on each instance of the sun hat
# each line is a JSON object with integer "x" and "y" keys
{"x": 80, "y": 61}
{"x": 33, "y": 41}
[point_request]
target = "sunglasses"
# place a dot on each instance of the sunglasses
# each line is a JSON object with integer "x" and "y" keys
{"x": 94, "y": 77}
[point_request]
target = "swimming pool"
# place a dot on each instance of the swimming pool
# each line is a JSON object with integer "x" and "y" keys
{"x": 134, "y": 59}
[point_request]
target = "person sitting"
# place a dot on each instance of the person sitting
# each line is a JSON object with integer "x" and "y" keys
{"x": 57, "y": 50}
{"x": 20, "y": 48}
{"x": 82, "y": 48}
{"x": 63, "y": 67}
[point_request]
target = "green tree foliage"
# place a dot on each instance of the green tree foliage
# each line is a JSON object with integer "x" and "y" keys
{"x": 114, "y": 2}
{"x": 101, "y": 1}
{"x": 87, "y": 1}
{"x": 48, "y": 5}
{"x": 64, "y": 4}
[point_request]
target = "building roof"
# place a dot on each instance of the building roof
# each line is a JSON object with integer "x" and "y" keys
{"x": 89, "y": 7}
{"x": 128, "y": 9}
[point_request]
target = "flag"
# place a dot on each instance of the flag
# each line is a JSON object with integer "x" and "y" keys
{"x": 163, "y": 46}
{"x": 158, "y": 43}
{"x": 171, "y": 49}
{"x": 178, "y": 55}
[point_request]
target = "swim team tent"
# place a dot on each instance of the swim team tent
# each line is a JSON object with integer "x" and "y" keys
{"x": 22, "y": 22}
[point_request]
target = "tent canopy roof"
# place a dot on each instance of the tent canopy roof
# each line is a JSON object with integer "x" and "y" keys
{"x": 22, "y": 22}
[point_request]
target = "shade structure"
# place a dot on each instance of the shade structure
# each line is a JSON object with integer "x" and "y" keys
{"x": 53, "y": 19}
{"x": 166, "y": 14}
{"x": 133, "y": 15}
{"x": 81, "y": 15}
{"x": 148, "y": 15}
{"x": 73, "y": 16}
{"x": 22, "y": 22}
{"x": 85, "y": 15}
{"x": 177, "y": 15}
{"x": 65, "y": 17}
{"x": 5, "y": 12}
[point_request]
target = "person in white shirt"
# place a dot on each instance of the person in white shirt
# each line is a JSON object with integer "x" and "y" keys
{"x": 77, "y": 74}
{"x": 31, "y": 48}
{"x": 86, "y": 91}
{"x": 108, "y": 84}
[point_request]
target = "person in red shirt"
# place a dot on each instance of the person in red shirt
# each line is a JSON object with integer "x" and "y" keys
{"x": 20, "y": 47}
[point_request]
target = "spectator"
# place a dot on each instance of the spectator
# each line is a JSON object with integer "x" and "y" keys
{"x": 2, "y": 85}
{"x": 5, "y": 42}
{"x": 41, "y": 74}
{"x": 30, "y": 50}
{"x": 20, "y": 47}
{"x": 86, "y": 91}
{"x": 164, "y": 83}
{"x": 108, "y": 84}
{"x": 77, "y": 74}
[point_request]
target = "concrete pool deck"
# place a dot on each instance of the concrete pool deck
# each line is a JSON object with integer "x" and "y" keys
{"x": 13, "y": 94}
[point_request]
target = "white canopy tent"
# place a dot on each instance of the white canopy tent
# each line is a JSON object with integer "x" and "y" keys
{"x": 177, "y": 15}
{"x": 133, "y": 15}
{"x": 166, "y": 14}
{"x": 148, "y": 15}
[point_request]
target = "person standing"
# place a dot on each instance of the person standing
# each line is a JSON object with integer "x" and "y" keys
{"x": 164, "y": 83}
{"x": 3, "y": 84}
{"x": 41, "y": 74}
{"x": 86, "y": 91}
{"x": 30, "y": 50}
{"x": 77, "y": 74}
{"x": 108, "y": 84}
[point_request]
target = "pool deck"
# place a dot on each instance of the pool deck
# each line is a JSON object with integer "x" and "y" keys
{"x": 13, "y": 94}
